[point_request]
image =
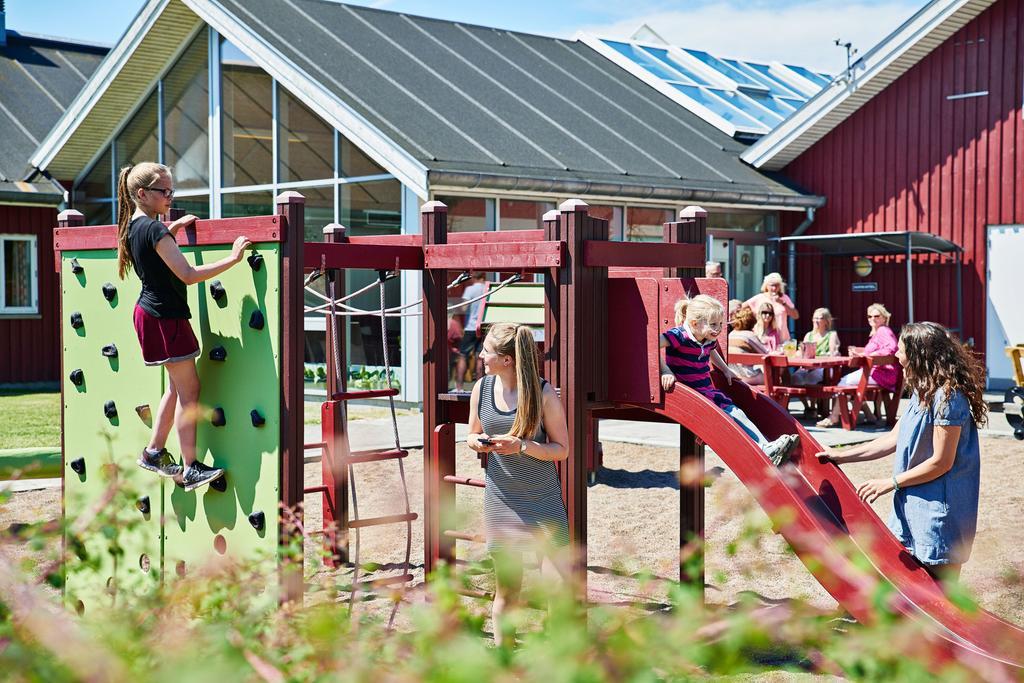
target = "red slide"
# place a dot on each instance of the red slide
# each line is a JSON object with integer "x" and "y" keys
{"x": 839, "y": 538}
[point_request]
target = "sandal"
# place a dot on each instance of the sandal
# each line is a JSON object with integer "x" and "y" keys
{"x": 826, "y": 422}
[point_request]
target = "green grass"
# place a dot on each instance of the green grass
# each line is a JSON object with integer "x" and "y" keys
{"x": 29, "y": 419}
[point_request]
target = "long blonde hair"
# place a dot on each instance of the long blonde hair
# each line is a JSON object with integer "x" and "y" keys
{"x": 517, "y": 341}
{"x": 760, "y": 329}
{"x": 129, "y": 181}
{"x": 701, "y": 307}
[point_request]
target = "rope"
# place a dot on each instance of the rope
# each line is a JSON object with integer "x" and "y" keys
{"x": 394, "y": 311}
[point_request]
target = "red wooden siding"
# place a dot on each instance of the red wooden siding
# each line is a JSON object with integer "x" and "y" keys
{"x": 912, "y": 160}
{"x": 29, "y": 347}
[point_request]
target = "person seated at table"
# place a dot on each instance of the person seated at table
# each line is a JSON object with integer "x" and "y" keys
{"x": 773, "y": 291}
{"x": 743, "y": 339}
{"x": 826, "y": 343}
{"x": 882, "y": 342}
{"x": 765, "y": 328}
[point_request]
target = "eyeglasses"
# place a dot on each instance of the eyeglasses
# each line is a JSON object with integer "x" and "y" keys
{"x": 167, "y": 193}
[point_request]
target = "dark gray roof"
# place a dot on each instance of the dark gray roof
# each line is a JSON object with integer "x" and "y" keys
{"x": 38, "y": 79}
{"x": 874, "y": 243}
{"x": 487, "y": 102}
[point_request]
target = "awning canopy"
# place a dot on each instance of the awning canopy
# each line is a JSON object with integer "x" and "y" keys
{"x": 873, "y": 243}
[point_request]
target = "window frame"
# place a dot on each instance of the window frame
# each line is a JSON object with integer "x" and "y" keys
{"x": 33, "y": 241}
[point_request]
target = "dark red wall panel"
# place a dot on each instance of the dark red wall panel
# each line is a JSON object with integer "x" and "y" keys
{"x": 910, "y": 159}
{"x": 30, "y": 346}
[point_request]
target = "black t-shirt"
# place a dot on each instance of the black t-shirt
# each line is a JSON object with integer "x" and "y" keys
{"x": 163, "y": 294}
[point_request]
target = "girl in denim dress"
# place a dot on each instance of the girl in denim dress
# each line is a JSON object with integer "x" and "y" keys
{"x": 936, "y": 471}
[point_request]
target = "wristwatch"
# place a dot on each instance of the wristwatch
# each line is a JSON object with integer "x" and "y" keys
{"x": 522, "y": 446}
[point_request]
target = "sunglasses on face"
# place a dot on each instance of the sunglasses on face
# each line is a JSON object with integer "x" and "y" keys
{"x": 166, "y": 192}
{"x": 767, "y": 313}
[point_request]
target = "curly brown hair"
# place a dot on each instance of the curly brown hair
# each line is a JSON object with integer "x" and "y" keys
{"x": 743, "y": 319}
{"x": 936, "y": 359}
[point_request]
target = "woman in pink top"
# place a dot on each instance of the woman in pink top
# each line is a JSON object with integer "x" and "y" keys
{"x": 773, "y": 291}
{"x": 883, "y": 342}
{"x": 765, "y": 327}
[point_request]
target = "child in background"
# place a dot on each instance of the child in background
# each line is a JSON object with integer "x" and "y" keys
{"x": 144, "y": 192}
{"x": 690, "y": 351}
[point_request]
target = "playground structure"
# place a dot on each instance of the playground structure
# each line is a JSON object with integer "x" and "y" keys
{"x": 606, "y": 304}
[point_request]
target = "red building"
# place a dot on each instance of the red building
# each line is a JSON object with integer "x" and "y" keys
{"x": 38, "y": 79}
{"x": 924, "y": 134}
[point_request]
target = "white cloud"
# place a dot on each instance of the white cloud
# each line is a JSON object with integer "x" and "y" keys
{"x": 800, "y": 33}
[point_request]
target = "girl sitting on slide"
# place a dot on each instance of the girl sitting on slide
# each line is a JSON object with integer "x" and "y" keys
{"x": 144, "y": 191}
{"x": 689, "y": 352}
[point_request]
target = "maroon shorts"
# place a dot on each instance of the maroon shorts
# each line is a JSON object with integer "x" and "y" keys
{"x": 164, "y": 340}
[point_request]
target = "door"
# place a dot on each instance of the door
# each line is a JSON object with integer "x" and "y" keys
{"x": 1004, "y": 318}
{"x": 722, "y": 249}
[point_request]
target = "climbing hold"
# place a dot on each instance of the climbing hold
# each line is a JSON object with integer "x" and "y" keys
{"x": 218, "y": 353}
{"x": 258, "y": 520}
{"x": 76, "y": 267}
{"x": 77, "y": 377}
{"x": 218, "y": 419}
{"x": 255, "y": 261}
{"x": 110, "y": 351}
{"x": 217, "y": 290}
{"x": 142, "y": 504}
{"x": 76, "y": 320}
{"x": 110, "y": 410}
{"x": 220, "y": 484}
{"x": 78, "y": 465}
{"x": 257, "y": 419}
{"x": 109, "y": 291}
{"x": 256, "y": 320}
{"x": 144, "y": 412}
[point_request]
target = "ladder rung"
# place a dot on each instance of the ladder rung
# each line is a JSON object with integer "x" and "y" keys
{"x": 365, "y": 393}
{"x": 465, "y": 481}
{"x": 386, "y": 519}
{"x": 316, "y": 489}
{"x": 385, "y": 581}
{"x": 311, "y": 446}
{"x": 375, "y": 455}
{"x": 463, "y": 536}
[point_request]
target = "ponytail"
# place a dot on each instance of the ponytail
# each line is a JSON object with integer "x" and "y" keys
{"x": 517, "y": 341}
{"x": 125, "y": 209}
{"x": 129, "y": 181}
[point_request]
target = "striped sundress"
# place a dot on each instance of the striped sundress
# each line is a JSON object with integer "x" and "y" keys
{"x": 690, "y": 362}
{"x": 523, "y": 497}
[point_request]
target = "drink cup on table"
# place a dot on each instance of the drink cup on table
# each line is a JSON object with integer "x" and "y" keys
{"x": 810, "y": 349}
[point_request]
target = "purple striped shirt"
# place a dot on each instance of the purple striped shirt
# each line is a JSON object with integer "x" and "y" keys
{"x": 690, "y": 362}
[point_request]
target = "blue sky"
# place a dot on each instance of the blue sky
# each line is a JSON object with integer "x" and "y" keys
{"x": 795, "y": 31}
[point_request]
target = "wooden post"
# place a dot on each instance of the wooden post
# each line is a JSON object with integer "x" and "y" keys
{"x": 691, "y": 228}
{"x": 291, "y": 207}
{"x": 334, "y": 420}
{"x": 434, "y": 228}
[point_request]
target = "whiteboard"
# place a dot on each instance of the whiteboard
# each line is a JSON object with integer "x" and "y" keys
{"x": 1004, "y": 317}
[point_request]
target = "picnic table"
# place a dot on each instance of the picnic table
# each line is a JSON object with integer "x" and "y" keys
{"x": 778, "y": 384}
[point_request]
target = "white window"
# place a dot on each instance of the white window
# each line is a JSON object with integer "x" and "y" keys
{"x": 19, "y": 275}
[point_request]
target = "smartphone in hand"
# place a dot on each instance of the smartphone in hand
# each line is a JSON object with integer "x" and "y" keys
{"x": 485, "y": 442}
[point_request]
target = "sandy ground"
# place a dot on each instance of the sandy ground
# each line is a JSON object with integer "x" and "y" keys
{"x": 634, "y": 526}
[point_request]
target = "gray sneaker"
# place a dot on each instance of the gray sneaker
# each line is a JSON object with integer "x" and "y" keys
{"x": 161, "y": 463}
{"x": 779, "y": 449}
{"x": 197, "y": 474}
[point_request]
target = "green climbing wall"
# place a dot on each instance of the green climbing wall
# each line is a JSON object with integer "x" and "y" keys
{"x": 113, "y": 548}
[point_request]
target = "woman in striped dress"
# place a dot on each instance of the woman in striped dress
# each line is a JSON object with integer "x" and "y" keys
{"x": 518, "y": 420}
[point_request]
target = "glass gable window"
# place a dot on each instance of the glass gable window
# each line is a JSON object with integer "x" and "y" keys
{"x": 235, "y": 204}
{"x": 718, "y": 106}
{"x": 373, "y": 208}
{"x": 247, "y": 121}
{"x": 305, "y": 142}
{"x": 319, "y": 211}
{"x": 353, "y": 162}
{"x": 186, "y": 110}
{"x": 138, "y": 141}
{"x": 18, "y": 275}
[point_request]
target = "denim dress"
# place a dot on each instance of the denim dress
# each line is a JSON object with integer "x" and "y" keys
{"x": 936, "y": 521}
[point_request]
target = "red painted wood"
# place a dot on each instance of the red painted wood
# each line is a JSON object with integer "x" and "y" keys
{"x": 363, "y": 255}
{"x": 510, "y": 256}
{"x": 32, "y": 343}
{"x": 202, "y": 233}
{"x": 643, "y": 254}
{"x": 363, "y": 393}
{"x": 495, "y": 237}
{"x": 910, "y": 159}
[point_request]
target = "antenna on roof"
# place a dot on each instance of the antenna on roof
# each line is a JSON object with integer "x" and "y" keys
{"x": 645, "y": 34}
{"x": 851, "y": 52}
{"x": 3, "y": 25}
